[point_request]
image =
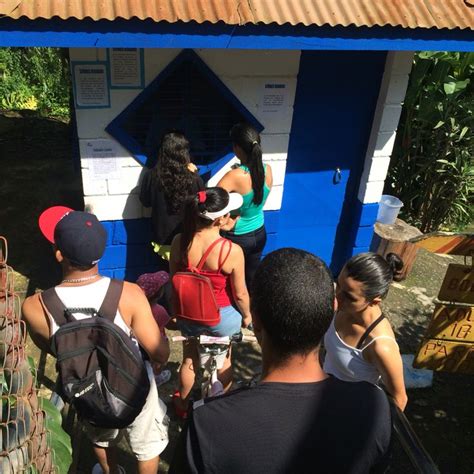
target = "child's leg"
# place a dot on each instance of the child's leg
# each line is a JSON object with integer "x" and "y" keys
{"x": 226, "y": 373}
{"x": 187, "y": 374}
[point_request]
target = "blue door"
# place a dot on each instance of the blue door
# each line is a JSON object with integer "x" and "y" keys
{"x": 334, "y": 107}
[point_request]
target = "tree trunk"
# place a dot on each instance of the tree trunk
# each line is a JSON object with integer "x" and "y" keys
{"x": 393, "y": 238}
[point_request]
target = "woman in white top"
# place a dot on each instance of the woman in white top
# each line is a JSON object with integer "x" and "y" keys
{"x": 360, "y": 342}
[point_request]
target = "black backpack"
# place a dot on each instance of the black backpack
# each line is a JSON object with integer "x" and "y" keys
{"x": 101, "y": 371}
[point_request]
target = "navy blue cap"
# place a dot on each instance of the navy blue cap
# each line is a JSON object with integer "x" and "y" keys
{"x": 79, "y": 236}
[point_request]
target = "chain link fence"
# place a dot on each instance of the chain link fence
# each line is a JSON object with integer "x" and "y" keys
{"x": 24, "y": 440}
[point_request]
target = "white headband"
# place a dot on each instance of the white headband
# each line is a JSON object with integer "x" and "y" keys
{"x": 235, "y": 202}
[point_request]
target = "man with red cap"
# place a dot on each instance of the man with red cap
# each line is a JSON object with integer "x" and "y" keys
{"x": 79, "y": 242}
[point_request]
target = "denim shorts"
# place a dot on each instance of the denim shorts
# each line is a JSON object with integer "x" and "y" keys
{"x": 230, "y": 324}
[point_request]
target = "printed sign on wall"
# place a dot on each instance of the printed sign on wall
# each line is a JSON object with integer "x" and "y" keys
{"x": 102, "y": 155}
{"x": 90, "y": 85}
{"x": 126, "y": 68}
{"x": 274, "y": 97}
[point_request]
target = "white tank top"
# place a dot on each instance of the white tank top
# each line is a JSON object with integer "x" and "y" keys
{"x": 346, "y": 362}
{"x": 87, "y": 296}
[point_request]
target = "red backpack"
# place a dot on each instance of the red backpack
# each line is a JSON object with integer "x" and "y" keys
{"x": 193, "y": 293}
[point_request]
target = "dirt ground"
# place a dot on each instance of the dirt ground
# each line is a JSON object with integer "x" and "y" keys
{"x": 37, "y": 171}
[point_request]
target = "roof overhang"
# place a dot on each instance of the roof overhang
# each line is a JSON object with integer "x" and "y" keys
{"x": 137, "y": 33}
{"x": 439, "y": 14}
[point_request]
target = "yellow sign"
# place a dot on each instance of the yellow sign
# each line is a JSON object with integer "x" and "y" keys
{"x": 435, "y": 354}
{"x": 452, "y": 322}
{"x": 458, "y": 284}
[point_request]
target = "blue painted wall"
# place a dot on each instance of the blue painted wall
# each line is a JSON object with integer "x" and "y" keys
{"x": 334, "y": 106}
{"x": 128, "y": 253}
{"x": 333, "y": 111}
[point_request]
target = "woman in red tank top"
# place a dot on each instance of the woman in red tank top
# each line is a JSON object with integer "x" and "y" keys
{"x": 201, "y": 249}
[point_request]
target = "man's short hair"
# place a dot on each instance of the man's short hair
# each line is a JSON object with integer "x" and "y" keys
{"x": 293, "y": 296}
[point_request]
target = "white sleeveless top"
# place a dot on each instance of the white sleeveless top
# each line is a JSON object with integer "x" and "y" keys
{"x": 346, "y": 362}
{"x": 87, "y": 296}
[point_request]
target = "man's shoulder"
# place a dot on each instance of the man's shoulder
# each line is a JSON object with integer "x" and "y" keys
{"x": 205, "y": 407}
{"x": 357, "y": 391}
{"x": 31, "y": 305}
{"x": 132, "y": 295}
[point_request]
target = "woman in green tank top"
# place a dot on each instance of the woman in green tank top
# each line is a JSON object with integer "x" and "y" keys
{"x": 253, "y": 180}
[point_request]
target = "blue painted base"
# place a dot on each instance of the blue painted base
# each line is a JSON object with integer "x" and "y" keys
{"x": 128, "y": 253}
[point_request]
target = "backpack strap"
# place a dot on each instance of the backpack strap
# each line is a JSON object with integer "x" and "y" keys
{"x": 369, "y": 330}
{"x": 222, "y": 261}
{"x": 54, "y": 306}
{"x": 109, "y": 306}
{"x": 207, "y": 252}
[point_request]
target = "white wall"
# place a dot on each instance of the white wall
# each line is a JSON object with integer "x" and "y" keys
{"x": 244, "y": 72}
{"x": 384, "y": 127}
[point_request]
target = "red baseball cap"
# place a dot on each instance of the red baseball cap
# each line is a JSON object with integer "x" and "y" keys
{"x": 79, "y": 236}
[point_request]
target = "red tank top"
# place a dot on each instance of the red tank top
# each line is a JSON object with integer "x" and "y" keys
{"x": 220, "y": 281}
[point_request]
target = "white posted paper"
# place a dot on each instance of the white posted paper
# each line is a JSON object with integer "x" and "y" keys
{"x": 102, "y": 155}
{"x": 274, "y": 96}
{"x": 91, "y": 85}
{"x": 125, "y": 67}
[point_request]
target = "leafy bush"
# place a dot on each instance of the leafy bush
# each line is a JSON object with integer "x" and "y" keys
{"x": 432, "y": 168}
{"x": 35, "y": 78}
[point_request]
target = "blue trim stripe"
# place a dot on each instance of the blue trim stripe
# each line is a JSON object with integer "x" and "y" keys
{"x": 148, "y": 34}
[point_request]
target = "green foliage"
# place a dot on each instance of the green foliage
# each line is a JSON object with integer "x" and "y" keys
{"x": 59, "y": 440}
{"x": 35, "y": 78}
{"x": 432, "y": 169}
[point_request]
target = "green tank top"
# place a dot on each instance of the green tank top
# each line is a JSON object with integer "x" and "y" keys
{"x": 251, "y": 215}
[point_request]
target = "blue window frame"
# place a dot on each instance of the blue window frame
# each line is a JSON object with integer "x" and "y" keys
{"x": 189, "y": 97}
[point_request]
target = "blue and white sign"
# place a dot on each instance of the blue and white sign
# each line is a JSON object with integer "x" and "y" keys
{"x": 91, "y": 85}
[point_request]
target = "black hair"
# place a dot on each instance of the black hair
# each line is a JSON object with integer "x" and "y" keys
{"x": 293, "y": 296}
{"x": 171, "y": 170}
{"x": 247, "y": 138}
{"x": 375, "y": 272}
{"x": 216, "y": 200}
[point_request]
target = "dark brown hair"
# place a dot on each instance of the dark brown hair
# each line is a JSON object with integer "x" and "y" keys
{"x": 248, "y": 139}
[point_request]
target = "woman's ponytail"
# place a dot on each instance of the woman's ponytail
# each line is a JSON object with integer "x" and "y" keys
{"x": 210, "y": 200}
{"x": 247, "y": 138}
{"x": 375, "y": 272}
{"x": 257, "y": 172}
{"x": 396, "y": 265}
{"x": 191, "y": 210}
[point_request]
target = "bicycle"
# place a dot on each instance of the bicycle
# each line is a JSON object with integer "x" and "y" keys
{"x": 212, "y": 353}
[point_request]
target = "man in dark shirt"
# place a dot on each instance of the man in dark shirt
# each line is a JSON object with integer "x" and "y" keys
{"x": 297, "y": 419}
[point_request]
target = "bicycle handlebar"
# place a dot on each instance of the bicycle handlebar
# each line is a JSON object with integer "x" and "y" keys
{"x": 205, "y": 339}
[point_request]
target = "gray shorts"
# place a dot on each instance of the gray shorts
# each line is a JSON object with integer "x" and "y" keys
{"x": 147, "y": 435}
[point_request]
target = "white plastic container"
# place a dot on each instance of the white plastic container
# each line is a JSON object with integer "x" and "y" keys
{"x": 389, "y": 207}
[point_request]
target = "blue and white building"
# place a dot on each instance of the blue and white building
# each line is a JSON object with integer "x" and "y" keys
{"x": 323, "y": 83}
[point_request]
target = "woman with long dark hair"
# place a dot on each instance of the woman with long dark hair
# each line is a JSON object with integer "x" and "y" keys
{"x": 201, "y": 249}
{"x": 165, "y": 187}
{"x": 360, "y": 343}
{"x": 253, "y": 180}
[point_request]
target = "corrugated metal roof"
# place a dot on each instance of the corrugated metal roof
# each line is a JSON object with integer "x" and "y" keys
{"x": 405, "y": 13}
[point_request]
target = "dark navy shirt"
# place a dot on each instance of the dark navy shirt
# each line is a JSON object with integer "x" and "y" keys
{"x": 274, "y": 428}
